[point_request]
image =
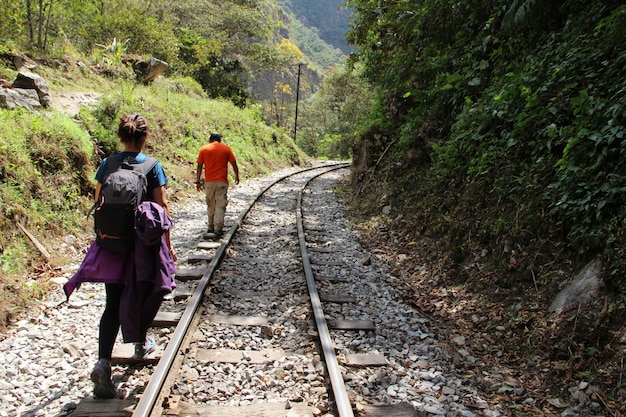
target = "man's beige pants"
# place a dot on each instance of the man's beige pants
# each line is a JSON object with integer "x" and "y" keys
{"x": 216, "y": 200}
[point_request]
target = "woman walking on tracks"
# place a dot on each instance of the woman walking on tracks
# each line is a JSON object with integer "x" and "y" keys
{"x": 133, "y": 258}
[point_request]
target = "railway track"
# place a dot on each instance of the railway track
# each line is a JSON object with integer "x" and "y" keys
{"x": 276, "y": 299}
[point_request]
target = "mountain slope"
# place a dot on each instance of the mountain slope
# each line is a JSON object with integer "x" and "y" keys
{"x": 328, "y": 20}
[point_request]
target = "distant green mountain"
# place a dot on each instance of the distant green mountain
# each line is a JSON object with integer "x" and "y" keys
{"x": 330, "y": 18}
{"x": 319, "y": 29}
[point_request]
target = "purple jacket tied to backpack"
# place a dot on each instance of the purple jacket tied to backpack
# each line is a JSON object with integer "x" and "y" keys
{"x": 151, "y": 261}
{"x": 154, "y": 267}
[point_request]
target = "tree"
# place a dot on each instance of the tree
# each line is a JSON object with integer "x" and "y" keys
{"x": 11, "y": 20}
{"x": 38, "y": 16}
{"x": 335, "y": 115}
{"x": 225, "y": 42}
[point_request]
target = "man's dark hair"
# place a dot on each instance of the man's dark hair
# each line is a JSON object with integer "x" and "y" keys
{"x": 215, "y": 137}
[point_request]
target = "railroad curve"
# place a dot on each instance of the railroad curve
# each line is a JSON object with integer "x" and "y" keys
{"x": 389, "y": 355}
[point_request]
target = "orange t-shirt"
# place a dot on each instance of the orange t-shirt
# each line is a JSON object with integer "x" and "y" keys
{"x": 215, "y": 156}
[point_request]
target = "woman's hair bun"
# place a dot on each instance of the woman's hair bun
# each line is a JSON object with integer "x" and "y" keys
{"x": 133, "y": 127}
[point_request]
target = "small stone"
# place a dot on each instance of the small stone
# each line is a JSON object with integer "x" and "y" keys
{"x": 459, "y": 340}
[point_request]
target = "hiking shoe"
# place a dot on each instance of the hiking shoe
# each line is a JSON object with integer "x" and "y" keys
{"x": 144, "y": 349}
{"x": 213, "y": 236}
{"x": 101, "y": 377}
{"x": 209, "y": 230}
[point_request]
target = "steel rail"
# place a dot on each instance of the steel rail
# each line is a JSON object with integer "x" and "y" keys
{"x": 148, "y": 399}
{"x": 344, "y": 408}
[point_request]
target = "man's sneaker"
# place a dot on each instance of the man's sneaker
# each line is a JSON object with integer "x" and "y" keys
{"x": 144, "y": 349}
{"x": 101, "y": 378}
{"x": 213, "y": 236}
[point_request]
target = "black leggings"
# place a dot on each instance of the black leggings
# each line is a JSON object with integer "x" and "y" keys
{"x": 110, "y": 321}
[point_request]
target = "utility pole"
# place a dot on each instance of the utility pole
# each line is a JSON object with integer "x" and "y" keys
{"x": 295, "y": 125}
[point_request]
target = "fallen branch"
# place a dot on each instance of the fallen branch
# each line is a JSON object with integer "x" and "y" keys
{"x": 35, "y": 242}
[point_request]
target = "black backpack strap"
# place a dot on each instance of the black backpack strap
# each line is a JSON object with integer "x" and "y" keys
{"x": 112, "y": 164}
{"x": 146, "y": 166}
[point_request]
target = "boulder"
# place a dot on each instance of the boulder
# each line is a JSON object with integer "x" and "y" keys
{"x": 11, "y": 98}
{"x": 29, "y": 80}
{"x": 148, "y": 71}
{"x": 584, "y": 287}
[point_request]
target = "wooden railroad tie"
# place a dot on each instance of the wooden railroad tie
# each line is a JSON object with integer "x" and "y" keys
{"x": 208, "y": 245}
{"x": 189, "y": 274}
{"x": 91, "y": 407}
{"x": 363, "y": 360}
{"x": 319, "y": 277}
{"x": 234, "y": 356}
{"x": 278, "y": 409}
{"x": 390, "y": 410}
{"x": 179, "y": 295}
{"x": 199, "y": 258}
{"x": 166, "y": 319}
{"x": 337, "y": 298}
{"x": 340, "y": 324}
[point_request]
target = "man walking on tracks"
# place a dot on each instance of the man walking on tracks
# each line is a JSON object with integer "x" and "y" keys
{"x": 215, "y": 157}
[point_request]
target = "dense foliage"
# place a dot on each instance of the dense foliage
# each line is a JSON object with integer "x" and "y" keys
{"x": 496, "y": 157}
{"x": 519, "y": 103}
{"x": 329, "y": 19}
{"x": 335, "y": 115}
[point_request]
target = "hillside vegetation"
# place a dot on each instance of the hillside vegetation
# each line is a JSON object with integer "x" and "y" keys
{"x": 328, "y": 19}
{"x": 242, "y": 51}
{"x": 48, "y": 160}
{"x": 496, "y": 160}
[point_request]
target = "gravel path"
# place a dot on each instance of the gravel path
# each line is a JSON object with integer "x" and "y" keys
{"x": 46, "y": 359}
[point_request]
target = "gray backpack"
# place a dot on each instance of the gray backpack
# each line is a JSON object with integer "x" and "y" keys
{"x": 122, "y": 190}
